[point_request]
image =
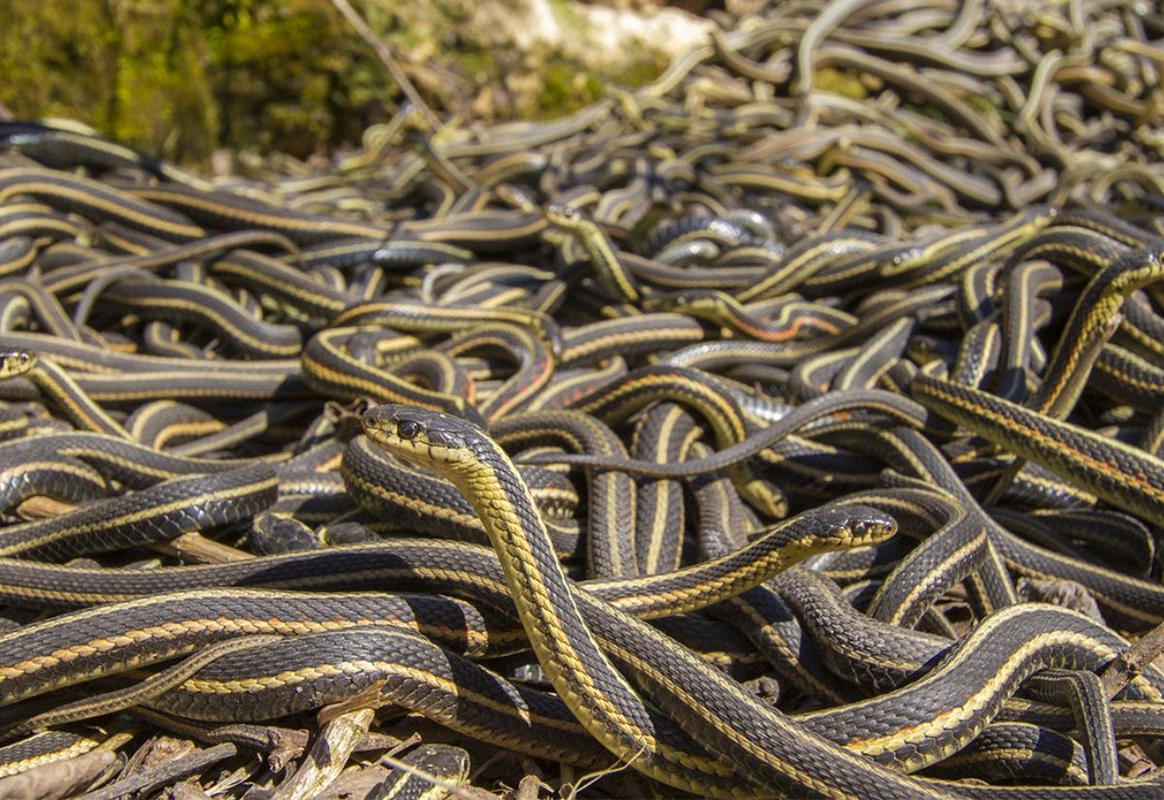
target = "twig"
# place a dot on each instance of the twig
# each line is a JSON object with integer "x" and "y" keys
{"x": 328, "y": 756}
{"x": 385, "y": 53}
{"x": 165, "y": 773}
{"x": 194, "y": 548}
{"x": 590, "y": 778}
{"x": 1133, "y": 661}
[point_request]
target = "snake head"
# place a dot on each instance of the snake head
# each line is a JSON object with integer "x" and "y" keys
{"x": 16, "y": 362}
{"x": 563, "y": 215}
{"x": 429, "y": 438}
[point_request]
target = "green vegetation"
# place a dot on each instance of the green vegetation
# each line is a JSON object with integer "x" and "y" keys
{"x": 181, "y": 79}
{"x": 844, "y": 83}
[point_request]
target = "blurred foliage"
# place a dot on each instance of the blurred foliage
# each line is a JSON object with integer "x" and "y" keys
{"x": 180, "y": 78}
{"x": 288, "y": 75}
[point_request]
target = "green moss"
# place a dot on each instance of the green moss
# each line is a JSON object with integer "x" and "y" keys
{"x": 477, "y": 65}
{"x": 55, "y": 59}
{"x": 830, "y": 79}
{"x": 289, "y": 75}
{"x": 569, "y": 86}
{"x": 180, "y": 79}
{"x": 566, "y": 87}
{"x": 642, "y": 70}
{"x": 987, "y": 107}
{"x": 161, "y": 94}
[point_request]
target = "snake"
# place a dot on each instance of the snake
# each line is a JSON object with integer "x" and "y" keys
{"x": 572, "y": 659}
{"x": 838, "y": 263}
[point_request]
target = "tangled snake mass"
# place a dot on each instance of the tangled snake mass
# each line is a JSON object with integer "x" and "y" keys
{"x": 789, "y": 426}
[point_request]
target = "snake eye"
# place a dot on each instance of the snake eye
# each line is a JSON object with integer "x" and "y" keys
{"x": 407, "y": 429}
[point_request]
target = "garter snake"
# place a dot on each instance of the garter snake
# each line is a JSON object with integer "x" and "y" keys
{"x": 109, "y": 638}
{"x": 615, "y": 278}
{"x": 1123, "y": 475}
{"x": 163, "y": 511}
{"x": 462, "y": 569}
{"x": 908, "y": 196}
{"x": 430, "y": 772}
{"x": 102, "y": 202}
{"x": 558, "y": 631}
{"x": 776, "y": 752}
{"x": 58, "y": 385}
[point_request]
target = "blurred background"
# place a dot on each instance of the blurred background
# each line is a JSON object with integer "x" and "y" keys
{"x": 185, "y": 78}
